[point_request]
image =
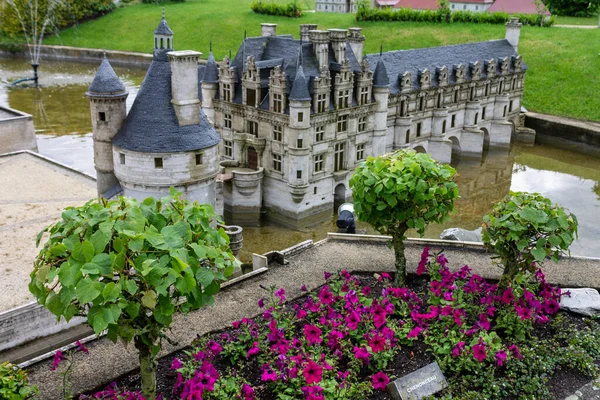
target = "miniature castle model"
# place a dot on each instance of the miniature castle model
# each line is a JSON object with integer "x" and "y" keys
{"x": 339, "y": 6}
{"x": 295, "y": 117}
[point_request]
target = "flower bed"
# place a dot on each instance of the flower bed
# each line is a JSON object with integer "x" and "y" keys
{"x": 352, "y": 336}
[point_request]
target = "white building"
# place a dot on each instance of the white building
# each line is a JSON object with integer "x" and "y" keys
{"x": 471, "y": 5}
{"x": 339, "y": 6}
{"x": 296, "y": 116}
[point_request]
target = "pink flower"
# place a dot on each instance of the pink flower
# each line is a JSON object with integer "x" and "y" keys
{"x": 214, "y": 347}
{"x": 523, "y": 312}
{"x": 261, "y": 302}
{"x": 414, "y": 332}
{"x": 379, "y": 315}
{"x": 508, "y": 296}
{"x": 303, "y": 288}
{"x": 268, "y": 374}
{"x": 515, "y": 352}
{"x": 327, "y": 275}
{"x": 81, "y": 347}
{"x": 281, "y": 294}
{"x": 458, "y": 349}
{"x": 325, "y": 295}
{"x": 313, "y": 373}
{"x": 253, "y": 350}
{"x": 551, "y": 307}
{"x": 247, "y": 392}
{"x": 58, "y": 358}
{"x": 436, "y": 288}
{"x": 300, "y": 314}
{"x": 484, "y": 323}
{"x": 360, "y": 353}
{"x": 423, "y": 263}
{"x": 479, "y": 352}
{"x": 377, "y": 343}
{"x": 352, "y": 320}
{"x": 176, "y": 364}
{"x": 312, "y": 334}
{"x": 380, "y": 381}
{"x": 385, "y": 275}
{"x": 500, "y": 358}
{"x": 313, "y": 393}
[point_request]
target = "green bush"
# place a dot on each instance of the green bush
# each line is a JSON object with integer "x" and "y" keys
{"x": 401, "y": 191}
{"x": 443, "y": 14}
{"x": 574, "y": 8}
{"x": 130, "y": 267}
{"x": 293, "y": 9}
{"x": 13, "y": 383}
{"x": 67, "y": 13}
{"x": 524, "y": 229}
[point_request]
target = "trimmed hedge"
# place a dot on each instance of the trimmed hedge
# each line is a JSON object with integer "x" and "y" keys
{"x": 447, "y": 16}
{"x": 291, "y": 9}
{"x": 68, "y": 13}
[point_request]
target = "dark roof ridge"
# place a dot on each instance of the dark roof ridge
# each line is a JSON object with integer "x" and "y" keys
{"x": 438, "y": 47}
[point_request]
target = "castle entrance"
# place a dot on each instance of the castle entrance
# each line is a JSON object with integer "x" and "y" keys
{"x": 252, "y": 158}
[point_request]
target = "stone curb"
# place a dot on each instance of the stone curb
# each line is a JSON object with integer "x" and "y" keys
{"x": 591, "y": 391}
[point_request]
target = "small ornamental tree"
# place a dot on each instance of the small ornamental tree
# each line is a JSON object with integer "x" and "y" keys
{"x": 129, "y": 267}
{"x": 400, "y": 191}
{"x": 524, "y": 229}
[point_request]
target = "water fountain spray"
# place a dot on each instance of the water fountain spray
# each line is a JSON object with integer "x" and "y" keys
{"x": 34, "y": 20}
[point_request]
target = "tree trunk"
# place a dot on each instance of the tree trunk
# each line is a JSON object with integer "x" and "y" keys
{"x": 148, "y": 371}
{"x": 510, "y": 271}
{"x": 398, "y": 243}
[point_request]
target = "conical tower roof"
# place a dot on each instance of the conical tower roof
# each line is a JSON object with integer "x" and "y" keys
{"x": 106, "y": 80}
{"x": 300, "y": 90}
{"x": 380, "y": 76}
{"x": 211, "y": 74}
{"x": 163, "y": 26}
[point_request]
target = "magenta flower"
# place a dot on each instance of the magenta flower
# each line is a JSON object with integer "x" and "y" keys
{"x": 247, "y": 392}
{"x": 551, "y": 307}
{"x": 508, "y": 296}
{"x": 313, "y": 393}
{"x": 414, "y": 333}
{"x": 313, "y": 373}
{"x": 484, "y": 323}
{"x": 268, "y": 374}
{"x": 281, "y": 294}
{"x": 377, "y": 343}
{"x": 458, "y": 349}
{"x": 379, "y": 315}
{"x": 380, "y": 381}
{"x": 58, "y": 358}
{"x": 352, "y": 320}
{"x": 423, "y": 263}
{"x": 436, "y": 288}
{"x": 214, "y": 347}
{"x": 261, "y": 302}
{"x": 325, "y": 295}
{"x": 312, "y": 334}
{"x": 361, "y": 353}
{"x": 479, "y": 352}
{"x": 500, "y": 358}
{"x": 515, "y": 352}
{"x": 253, "y": 350}
{"x": 303, "y": 288}
{"x": 327, "y": 275}
{"x": 523, "y": 312}
{"x": 81, "y": 347}
{"x": 300, "y": 314}
{"x": 176, "y": 364}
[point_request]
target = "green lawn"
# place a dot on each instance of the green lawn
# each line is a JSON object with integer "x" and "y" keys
{"x": 563, "y": 63}
{"x": 577, "y": 21}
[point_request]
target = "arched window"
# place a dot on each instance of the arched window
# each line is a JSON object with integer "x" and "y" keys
{"x": 476, "y": 118}
{"x": 156, "y": 43}
{"x": 162, "y": 43}
{"x": 168, "y": 43}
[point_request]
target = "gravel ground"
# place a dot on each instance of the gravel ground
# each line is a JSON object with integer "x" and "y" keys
{"x": 34, "y": 192}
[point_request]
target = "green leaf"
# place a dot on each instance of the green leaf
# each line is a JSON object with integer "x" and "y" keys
{"x": 132, "y": 287}
{"x": 103, "y": 263}
{"x": 132, "y": 310}
{"x": 99, "y": 240}
{"x": 186, "y": 282}
{"x": 172, "y": 238}
{"x": 90, "y": 269}
{"x": 212, "y": 289}
{"x": 99, "y": 324}
{"x": 539, "y": 253}
{"x": 88, "y": 290}
{"x": 54, "y": 304}
{"x": 111, "y": 291}
{"x": 199, "y": 250}
{"x": 205, "y": 276}
{"x": 149, "y": 299}
{"x": 68, "y": 274}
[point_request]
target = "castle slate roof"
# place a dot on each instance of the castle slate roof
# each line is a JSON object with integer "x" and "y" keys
{"x": 163, "y": 27}
{"x": 152, "y": 126}
{"x": 211, "y": 74}
{"x": 300, "y": 88}
{"x": 380, "y": 76}
{"x": 397, "y": 63}
{"x": 106, "y": 80}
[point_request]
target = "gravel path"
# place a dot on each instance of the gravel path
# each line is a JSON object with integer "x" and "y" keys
{"x": 34, "y": 192}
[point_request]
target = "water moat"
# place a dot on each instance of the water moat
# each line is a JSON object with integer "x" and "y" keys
{"x": 63, "y": 125}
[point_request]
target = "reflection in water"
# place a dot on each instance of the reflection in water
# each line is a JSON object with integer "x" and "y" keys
{"x": 62, "y": 119}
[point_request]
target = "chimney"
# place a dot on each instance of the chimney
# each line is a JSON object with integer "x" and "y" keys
{"x": 268, "y": 30}
{"x": 513, "y": 32}
{"x": 338, "y": 43}
{"x": 320, "y": 42}
{"x": 304, "y": 29}
{"x": 356, "y": 41}
{"x": 184, "y": 86}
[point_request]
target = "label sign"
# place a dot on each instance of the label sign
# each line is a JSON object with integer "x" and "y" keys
{"x": 421, "y": 383}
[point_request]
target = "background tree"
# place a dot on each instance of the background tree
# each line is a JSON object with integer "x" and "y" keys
{"x": 401, "y": 191}
{"x": 524, "y": 229}
{"x": 574, "y": 8}
{"x": 129, "y": 267}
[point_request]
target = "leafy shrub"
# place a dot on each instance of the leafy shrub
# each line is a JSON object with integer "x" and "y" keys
{"x": 129, "y": 267}
{"x": 444, "y": 14}
{"x": 400, "y": 191}
{"x": 524, "y": 229}
{"x": 574, "y": 8}
{"x": 67, "y": 13}
{"x": 13, "y": 383}
{"x": 293, "y": 9}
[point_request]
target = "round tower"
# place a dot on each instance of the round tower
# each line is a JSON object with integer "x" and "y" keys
{"x": 381, "y": 92}
{"x": 107, "y": 96}
{"x": 210, "y": 86}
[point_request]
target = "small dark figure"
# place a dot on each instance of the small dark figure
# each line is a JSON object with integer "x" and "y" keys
{"x": 346, "y": 218}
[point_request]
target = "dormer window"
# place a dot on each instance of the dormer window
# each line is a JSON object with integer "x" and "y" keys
{"x": 422, "y": 103}
{"x": 277, "y": 102}
{"x": 226, "y": 92}
{"x": 364, "y": 95}
{"x": 251, "y": 97}
{"x": 440, "y": 100}
{"x": 321, "y": 102}
{"x": 343, "y": 99}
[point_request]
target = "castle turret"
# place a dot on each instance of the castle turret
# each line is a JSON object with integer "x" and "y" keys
{"x": 163, "y": 38}
{"x": 210, "y": 85}
{"x": 381, "y": 92}
{"x": 107, "y": 96}
{"x": 299, "y": 137}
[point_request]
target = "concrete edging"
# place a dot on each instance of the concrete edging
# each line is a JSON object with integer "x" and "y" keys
{"x": 581, "y": 136}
